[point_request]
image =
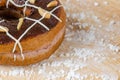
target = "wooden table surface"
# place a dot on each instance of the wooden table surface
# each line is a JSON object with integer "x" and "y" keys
{"x": 90, "y": 50}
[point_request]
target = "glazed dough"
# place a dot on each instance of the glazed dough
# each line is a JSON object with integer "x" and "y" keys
{"x": 90, "y": 49}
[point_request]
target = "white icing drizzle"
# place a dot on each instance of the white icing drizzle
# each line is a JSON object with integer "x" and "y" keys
{"x": 13, "y": 38}
{"x": 25, "y": 7}
{"x": 7, "y": 3}
{"x": 14, "y": 57}
{"x": 38, "y": 21}
{"x": 2, "y": 21}
{"x": 17, "y": 41}
{"x": 11, "y": 1}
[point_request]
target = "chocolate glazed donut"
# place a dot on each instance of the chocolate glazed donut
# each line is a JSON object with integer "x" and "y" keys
{"x": 30, "y": 30}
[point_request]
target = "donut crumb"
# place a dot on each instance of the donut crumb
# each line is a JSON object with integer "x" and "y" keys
{"x": 20, "y": 23}
{"x": 42, "y": 13}
{"x": 32, "y": 1}
{"x": 52, "y": 4}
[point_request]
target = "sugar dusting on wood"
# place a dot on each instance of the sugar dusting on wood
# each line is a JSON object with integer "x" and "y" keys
{"x": 96, "y": 4}
{"x": 87, "y": 52}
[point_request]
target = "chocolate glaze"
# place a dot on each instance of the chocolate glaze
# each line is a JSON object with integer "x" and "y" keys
{"x": 11, "y": 23}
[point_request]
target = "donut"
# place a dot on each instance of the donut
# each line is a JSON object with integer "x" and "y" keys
{"x": 30, "y": 30}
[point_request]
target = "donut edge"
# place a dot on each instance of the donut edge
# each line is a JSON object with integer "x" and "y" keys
{"x": 8, "y": 58}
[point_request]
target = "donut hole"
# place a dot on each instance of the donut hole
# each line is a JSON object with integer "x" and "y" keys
{"x": 10, "y": 14}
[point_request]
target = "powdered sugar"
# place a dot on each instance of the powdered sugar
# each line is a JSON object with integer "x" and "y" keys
{"x": 96, "y": 4}
{"x": 105, "y": 2}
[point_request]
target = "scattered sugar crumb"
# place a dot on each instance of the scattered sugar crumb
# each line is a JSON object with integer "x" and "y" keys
{"x": 106, "y": 2}
{"x": 114, "y": 48}
{"x": 96, "y": 4}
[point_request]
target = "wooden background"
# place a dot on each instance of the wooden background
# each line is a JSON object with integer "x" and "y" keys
{"x": 90, "y": 50}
